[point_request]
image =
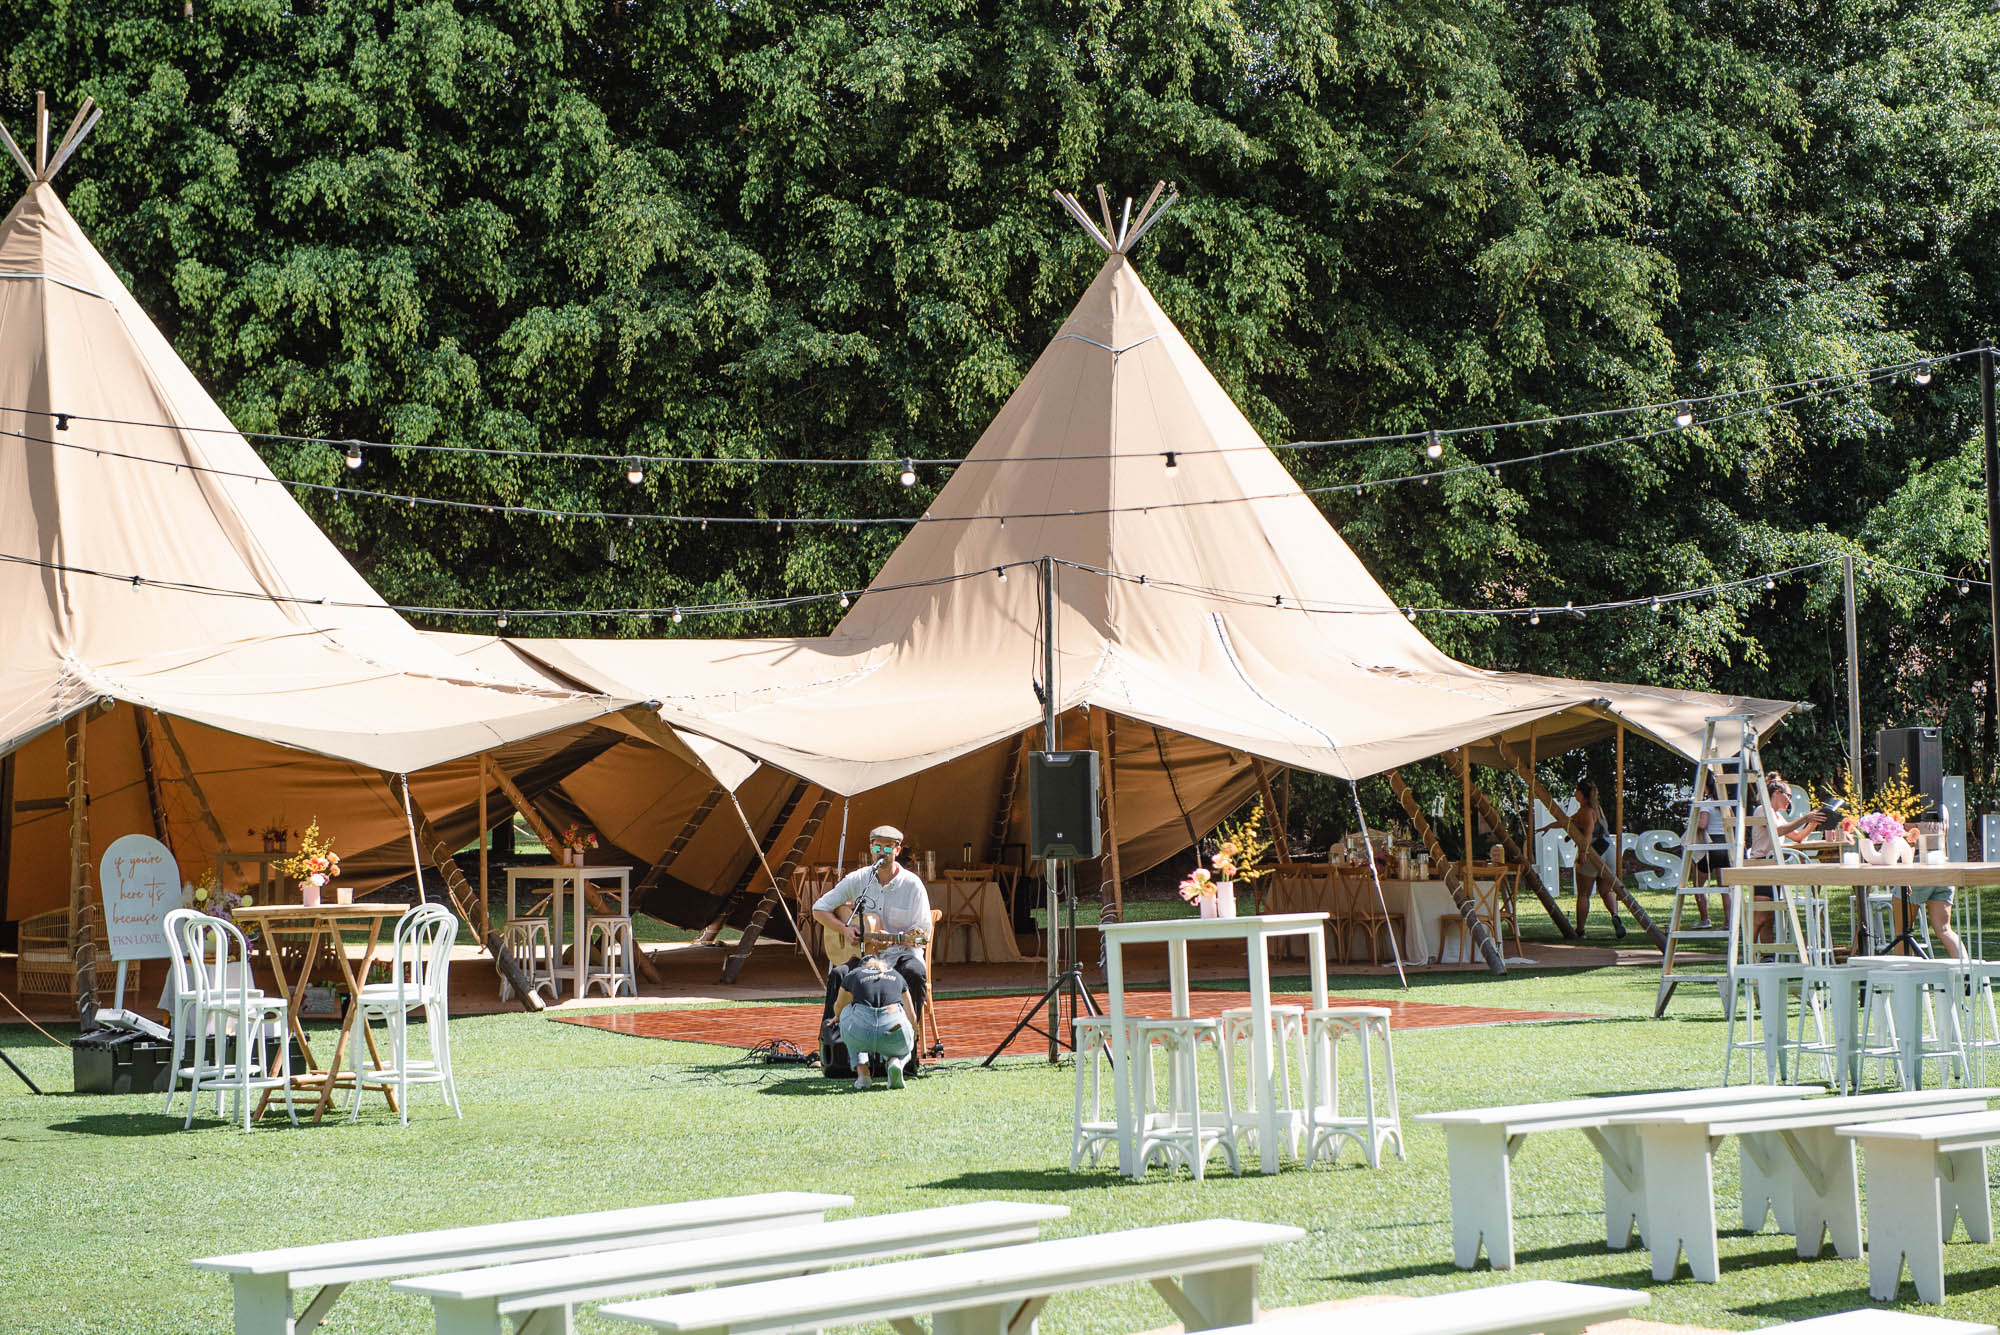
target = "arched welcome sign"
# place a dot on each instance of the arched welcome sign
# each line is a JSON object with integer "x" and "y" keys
{"x": 141, "y": 884}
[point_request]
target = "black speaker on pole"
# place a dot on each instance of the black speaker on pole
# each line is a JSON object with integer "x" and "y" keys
{"x": 1062, "y": 805}
{"x": 1915, "y": 755}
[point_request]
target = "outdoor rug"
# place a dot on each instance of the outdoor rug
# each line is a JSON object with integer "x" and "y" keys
{"x": 969, "y": 1025}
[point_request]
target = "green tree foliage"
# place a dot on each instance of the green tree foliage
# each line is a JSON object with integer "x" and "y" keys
{"x": 805, "y": 227}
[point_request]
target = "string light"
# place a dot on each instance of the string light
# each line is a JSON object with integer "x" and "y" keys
{"x": 62, "y": 421}
{"x": 501, "y": 621}
{"x": 1683, "y": 415}
{"x": 908, "y": 476}
{"x": 1534, "y": 618}
{"x": 1656, "y": 603}
{"x": 1435, "y": 448}
{"x": 635, "y": 473}
{"x": 1963, "y": 587}
{"x": 1410, "y": 612}
{"x": 1922, "y": 375}
{"x": 677, "y": 616}
{"x": 1770, "y": 584}
{"x": 1001, "y": 571}
{"x": 843, "y": 599}
{"x": 354, "y": 454}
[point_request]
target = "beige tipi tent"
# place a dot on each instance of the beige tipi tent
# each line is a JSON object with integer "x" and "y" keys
{"x": 1206, "y": 614}
{"x": 185, "y": 653}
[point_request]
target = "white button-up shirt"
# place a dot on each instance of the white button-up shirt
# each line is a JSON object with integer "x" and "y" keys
{"x": 902, "y": 904}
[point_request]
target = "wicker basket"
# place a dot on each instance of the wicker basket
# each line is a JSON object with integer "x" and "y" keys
{"x": 46, "y": 967}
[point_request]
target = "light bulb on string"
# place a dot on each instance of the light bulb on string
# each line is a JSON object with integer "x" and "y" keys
{"x": 1173, "y": 466}
{"x": 635, "y": 473}
{"x": 1656, "y": 604}
{"x": 354, "y": 454}
{"x": 1964, "y": 587}
{"x": 1434, "y": 448}
{"x": 843, "y": 600}
{"x": 1683, "y": 415}
{"x": 501, "y": 621}
{"x": 1410, "y": 612}
{"x": 1770, "y": 583}
{"x": 1570, "y": 608}
{"x": 1534, "y": 618}
{"x": 677, "y": 616}
{"x": 908, "y": 477}
{"x": 62, "y": 421}
{"x": 1922, "y": 375}
{"x": 1001, "y": 572}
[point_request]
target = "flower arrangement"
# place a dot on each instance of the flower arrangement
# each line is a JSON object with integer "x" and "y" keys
{"x": 275, "y": 835}
{"x": 1881, "y": 827}
{"x": 1198, "y": 885}
{"x": 1241, "y": 847}
{"x": 576, "y": 839}
{"x": 1889, "y": 815}
{"x": 206, "y": 895}
{"x": 314, "y": 864}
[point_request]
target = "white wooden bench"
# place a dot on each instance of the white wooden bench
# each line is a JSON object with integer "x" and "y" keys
{"x": 539, "y": 1295}
{"x": 1532, "y": 1307}
{"x": 1482, "y": 1143}
{"x": 265, "y": 1281}
{"x": 1791, "y": 1160}
{"x": 996, "y": 1292}
{"x": 1870, "y": 1321}
{"x": 1923, "y": 1173}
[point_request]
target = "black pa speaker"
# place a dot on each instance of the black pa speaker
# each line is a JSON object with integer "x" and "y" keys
{"x": 1062, "y": 805}
{"x": 1915, "y": 755}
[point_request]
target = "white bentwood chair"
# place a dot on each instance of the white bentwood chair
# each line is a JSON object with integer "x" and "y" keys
{"x": 419, "y": 980}
{"x": 221, "y": 1018}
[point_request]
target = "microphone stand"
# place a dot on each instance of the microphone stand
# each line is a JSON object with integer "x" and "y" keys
{"x": 1069, "y": 983}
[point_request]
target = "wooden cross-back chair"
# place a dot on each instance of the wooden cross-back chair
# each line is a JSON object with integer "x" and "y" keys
{"x": 963, "y": 887}
{"x": 1365, "y": 912}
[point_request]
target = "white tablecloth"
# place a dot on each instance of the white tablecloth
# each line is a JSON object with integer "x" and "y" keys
{"x": 992, "y": 942}
{"x": 1420, "y": 903}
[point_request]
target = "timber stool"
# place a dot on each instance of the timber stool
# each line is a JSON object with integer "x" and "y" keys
{"x": 609, "y": 946}
{"x": 1288, "y": 1025}
{"x": 526, "y": 942}
{"x": 1980, "y": 1025}
{"x": 1380, "y": 1120}
{"x": 1181, "y": 1128}
{"x": 1090, "y": 1134}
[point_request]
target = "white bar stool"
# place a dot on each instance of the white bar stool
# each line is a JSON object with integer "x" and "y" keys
{"x": 1289, "y": 1034}
{"x": 1912, "y": 989}
{"x": 1380, "y": 1120}
{"x": 1089, "y": 1135}
{"x": 1980, "y": 1024}
{"x": 1179, "y": 1128}
{"x": 1840, "y": 1028}
{"x": 1760, "y": 996}
{"x": 526, "y": 941}
{"x": 608, "y": 946}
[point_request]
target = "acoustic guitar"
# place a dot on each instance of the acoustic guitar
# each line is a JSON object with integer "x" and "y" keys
{"x": 840, "y": 950}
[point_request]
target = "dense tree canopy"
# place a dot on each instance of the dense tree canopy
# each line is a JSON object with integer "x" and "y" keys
{"x": 810, "y": 227}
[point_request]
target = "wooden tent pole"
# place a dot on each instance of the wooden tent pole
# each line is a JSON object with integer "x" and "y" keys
{"x": 1530, "y": 877}
{"x": 1003, "y": 809}
{"x": 1100, "y": 726}
{"x": 6, "y": 828}
{"x": 1618, "y": 847}
{"x": 1280, "y": 845}
{"x": 658, "y": 871}
{"x": 1284, "y": 816}
{"x": 459, "y": 891}
{"x": 82, "y": 911}
{"x": 1586, "y": 856}
{"x": 194, "y": 784}
{"x": 485, "y": 876}
{"x": 1482, "y": 940}
{"x": 154, "y": 797}
{"x": 732, "y": 966}
{"x": 1465, "y": 806}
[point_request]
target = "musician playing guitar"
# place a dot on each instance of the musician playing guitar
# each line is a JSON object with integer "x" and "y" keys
{"x": 891, "y": 900}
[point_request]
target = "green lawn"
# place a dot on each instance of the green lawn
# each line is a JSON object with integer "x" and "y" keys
{"x": 102, "y": 1200}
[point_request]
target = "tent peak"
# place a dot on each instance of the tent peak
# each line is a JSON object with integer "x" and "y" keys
{"x": 1118, "y": 238}
{"x": 46, "y": 163}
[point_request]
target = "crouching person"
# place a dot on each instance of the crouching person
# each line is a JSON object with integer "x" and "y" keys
{"x": 876, "y": 1023}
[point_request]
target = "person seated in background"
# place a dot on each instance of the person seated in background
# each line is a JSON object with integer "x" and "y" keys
{"x": 876, "y": 1022}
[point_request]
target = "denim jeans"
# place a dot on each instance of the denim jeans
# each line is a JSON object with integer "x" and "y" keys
{"x": 882, "y": 1030}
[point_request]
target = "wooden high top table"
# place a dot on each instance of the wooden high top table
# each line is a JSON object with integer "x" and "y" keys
{"x": 1863, "y": 878}
{"x": 295, "y": 924}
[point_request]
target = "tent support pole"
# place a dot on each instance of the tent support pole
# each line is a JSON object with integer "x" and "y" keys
{"x": 1100, "y": 724}
{"x": 1280, "y": 844}
{"x": 733, "y": 966}
{"x": 459, "y": 891}
{"x": 6, "y": 831}
{"x": 1586, "y": 856}
{"x": 155, "y": 799}
{"x": 658, "y": 871}
{"x": 1173, "y": 786}
{"x": 1465, "y": 810}
{"x": 485, "y": 873}
{"x": 82, "y": 912}
{"x": 1003, "y": 810}
{"x": 547, "y": 834}
{"x": 193, "y": 784}
{"x": 1482, "y": 940}
{"x": 1529, "y": 876}
{"x": 1618, "y": 818}
{"x": 776, "y": 826}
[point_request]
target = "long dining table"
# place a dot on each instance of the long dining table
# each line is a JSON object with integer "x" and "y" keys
{"x": 1256, "y": 932}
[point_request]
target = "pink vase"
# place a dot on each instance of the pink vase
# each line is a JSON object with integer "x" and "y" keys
{"x": 309, "y": 894}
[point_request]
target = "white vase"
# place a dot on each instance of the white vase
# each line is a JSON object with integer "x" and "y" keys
{"x": 1898, "y": 851}
{"x": 309, "y": 894}
{"x": 1871, "y": 852}
{"x": 1208, "y": 906}
{"x": 1225, "y": 899}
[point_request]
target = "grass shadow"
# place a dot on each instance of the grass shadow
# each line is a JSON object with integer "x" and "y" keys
{"x": 1034, "y": 1179}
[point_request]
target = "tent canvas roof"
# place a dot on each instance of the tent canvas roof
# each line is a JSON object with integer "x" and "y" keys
{"x": 1212, "y": 599}
{"x": 168, "y": 568}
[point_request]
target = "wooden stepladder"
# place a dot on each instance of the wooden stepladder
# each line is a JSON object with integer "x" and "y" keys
{"x": 1729, "y": 786}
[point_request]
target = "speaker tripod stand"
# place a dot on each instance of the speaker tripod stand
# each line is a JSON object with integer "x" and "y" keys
{"x": 1069, "y": 983}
